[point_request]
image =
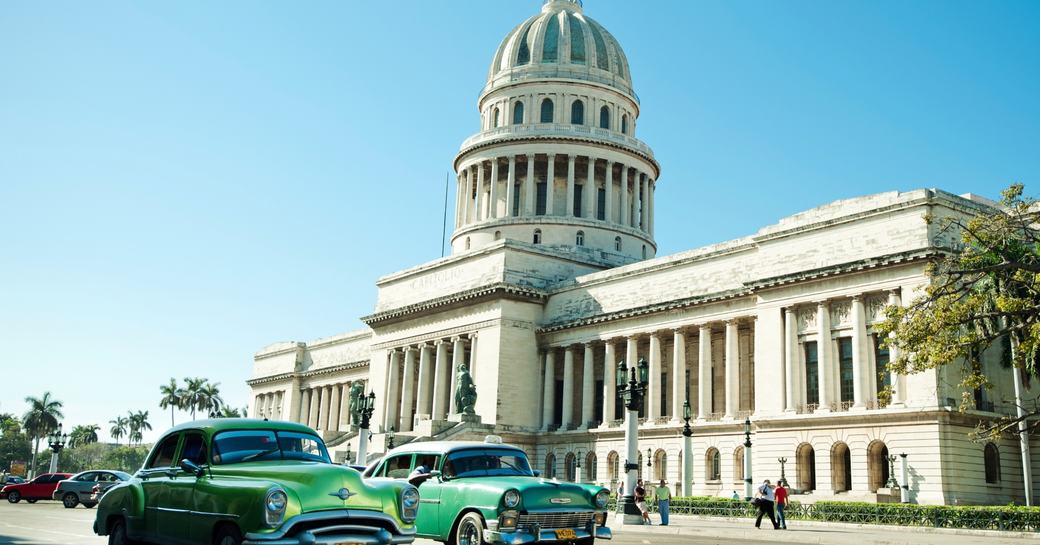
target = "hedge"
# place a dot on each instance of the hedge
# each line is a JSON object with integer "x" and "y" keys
{"x": 1009, "y": 518}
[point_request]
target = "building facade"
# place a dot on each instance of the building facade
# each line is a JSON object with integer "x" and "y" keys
{"x": 554, "y": 278}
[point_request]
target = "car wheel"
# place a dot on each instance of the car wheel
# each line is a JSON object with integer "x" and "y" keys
{"x": 69, "y": 500}
{"x": 117, "y": 534}
{"x": 14, "y": 496}
{"x": 470, "y": 530}
{"x": 32, "y": 501}
{"x": 227, "y": 535}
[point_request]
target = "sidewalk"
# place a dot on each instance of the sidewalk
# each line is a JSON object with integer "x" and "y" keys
{"x": 830, "y": 533}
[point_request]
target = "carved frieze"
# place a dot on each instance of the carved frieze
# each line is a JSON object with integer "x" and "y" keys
{"x": 876, "y": 308}
{"x": 807, "y": 319}
{"x": 841, "y": 313}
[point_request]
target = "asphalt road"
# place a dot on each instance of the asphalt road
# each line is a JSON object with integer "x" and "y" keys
{"x": 48, "y": 523}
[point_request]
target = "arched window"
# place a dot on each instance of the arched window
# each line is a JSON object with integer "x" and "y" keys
{"x": 578, "y": 113}
{"x": 644, "y": 251}
{"x": 523, "y": 53}
{"x": 577, "y": 40}
{"x": 579, "y": 239}
{"x": 617, "y": 244}
{"x": 604, "y": 118}
{"x": 992, "y": 460}
{"x": 877, "y": 465}
{"x": 602, "y": 62}
{"x": 712, "y": 465}
{"x": 624, "y": 124}
{"x": 518, "y": 113}
{"x": 841, "y": 468}
{"x": 551, "y": 48}
{"x": 537, "y": 236}
{"x": 547, "y": 111}
{"x": 494, "y": 117}
{"x": 612, "y": 466}
{"x": 660, "y": 465}
{"x": 498, "y": 235}
{"x": 738, "y": 464}
{"x": 467, "y": 243}
{"x": 590, "y": 467}
{"x": 805, "y": 467}
{"x": 569, "y": 472}
{"x": 550, "y": 466}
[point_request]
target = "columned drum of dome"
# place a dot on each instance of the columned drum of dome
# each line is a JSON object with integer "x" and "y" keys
{"x": 569, "y": 136}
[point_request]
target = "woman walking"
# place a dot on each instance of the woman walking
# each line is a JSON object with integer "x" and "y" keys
{"x": 781, "y": 502}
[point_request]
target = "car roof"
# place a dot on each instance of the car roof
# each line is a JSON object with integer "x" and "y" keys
{"x": 214, "y": 425}
{"x": 447, "y": 446}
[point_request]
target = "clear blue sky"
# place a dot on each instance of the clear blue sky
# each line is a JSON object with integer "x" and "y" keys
{"x": 183, "y": 183}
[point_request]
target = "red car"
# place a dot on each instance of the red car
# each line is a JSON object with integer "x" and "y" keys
{"x": 39, "y": 488}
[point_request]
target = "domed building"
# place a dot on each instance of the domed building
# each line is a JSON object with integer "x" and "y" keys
{"x": 554, "y": 278}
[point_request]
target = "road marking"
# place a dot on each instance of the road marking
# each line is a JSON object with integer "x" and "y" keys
{"x": 30, "y": 528}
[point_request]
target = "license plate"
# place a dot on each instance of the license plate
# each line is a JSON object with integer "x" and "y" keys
{"x": 565, "y": 533}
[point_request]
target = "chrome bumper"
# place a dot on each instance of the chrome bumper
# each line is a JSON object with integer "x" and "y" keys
{"x": 340, "y": 526}
{"x": 521, "y": 536}
{"x": 381, "y": 537}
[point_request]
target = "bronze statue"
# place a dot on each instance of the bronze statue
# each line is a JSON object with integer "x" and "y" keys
{"x": 465, "y": 391}
{"x": 357, "y": 389}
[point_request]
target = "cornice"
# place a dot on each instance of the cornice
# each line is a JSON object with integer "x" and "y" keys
{"x": 556, "y": 139}
{"x": 308, "y": 374}
{"x": 646, "y": 309}
{"x": 860, "y": 265}
{"x": 499, "y": 290}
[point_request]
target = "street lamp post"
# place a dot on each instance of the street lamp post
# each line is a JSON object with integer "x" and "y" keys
{"x": 892, "y": 482}
{"x": 390, "y": 438}
{"x": 904, "y": 493}
{"x": 368, "y": 406}
{"x": 631, "y": 385}
{"x": 577, "y": 467}
{"x": 349, "y": 456}
{"x": 783, "y": 477}
{"x": 748, "y": 479}
{"x": 56, "y": 441}
{"x": 687, "y": 460}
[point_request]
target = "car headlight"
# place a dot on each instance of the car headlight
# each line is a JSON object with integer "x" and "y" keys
{"x": 409, "y": 504}
{"x": 511, "y": 498}
{"x": 601, "y": 499}
{"x": 274, "y": 507}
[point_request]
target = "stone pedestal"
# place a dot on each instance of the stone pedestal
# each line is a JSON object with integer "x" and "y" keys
{"x": 627, "y": 512}
{"x": 465, "y": 418}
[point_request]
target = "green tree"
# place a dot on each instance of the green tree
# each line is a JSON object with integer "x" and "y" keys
{"x": 41, "y": 419}
{"x": 228, "y": 412}
{"x": 120, "y": 427}
{"x": 14, "y": 445}
{"x": 192, "y": 397}
{"x": 986, "y": 290}
{"x": 172, "y": 397}
{"x": 83, "y": 435}
{"x": 138, "y": 424}
{"x": 209, "y": 399}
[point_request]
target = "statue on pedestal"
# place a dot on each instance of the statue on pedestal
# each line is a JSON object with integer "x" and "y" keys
{"x": 357, "y": 389}
{"x": 465, "y": 391}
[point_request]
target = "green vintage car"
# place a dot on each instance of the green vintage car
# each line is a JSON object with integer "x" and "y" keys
{"x": 234, "y": 481}
{"x": 473, "y": 493}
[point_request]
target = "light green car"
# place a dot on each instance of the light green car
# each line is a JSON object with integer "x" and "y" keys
{"x": 473, "y": 493}
{"x": 237, "y": 481}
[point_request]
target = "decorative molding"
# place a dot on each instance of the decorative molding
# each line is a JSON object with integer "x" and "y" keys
{"x": 500, "y": 290}
{"x": 807, "y": 319}
{"x": 309, "y": 374}
{"x": 841, "y": 313}
{"x": 666, "y": 306}
{"x": 845, "y": 268}
{"x": 876, "y": 308}
{"x": 461, "y": 331}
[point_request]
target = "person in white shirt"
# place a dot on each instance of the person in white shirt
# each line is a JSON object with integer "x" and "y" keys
{"x": 765, "y": 498}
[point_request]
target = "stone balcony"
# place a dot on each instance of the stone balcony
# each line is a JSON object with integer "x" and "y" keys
{"x": 561, "y": 130}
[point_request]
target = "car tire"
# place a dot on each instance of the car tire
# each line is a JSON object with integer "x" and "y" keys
{"x": 14, "y": 496}
{"x": 70, "y": 500}
{"x": 227, "y": 535}
{"x": 89, "y": 505}
{"x": 469, "y": 531}
{"x": 32, "y": 501}
{"x": 117, "y": 534}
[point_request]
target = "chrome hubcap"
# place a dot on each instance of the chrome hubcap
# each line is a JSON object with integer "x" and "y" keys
{"x": 228, "y": 540}
{"x": 468, "y": 534}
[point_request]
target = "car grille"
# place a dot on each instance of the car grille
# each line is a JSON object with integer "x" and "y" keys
{"x": 556, "y": 520}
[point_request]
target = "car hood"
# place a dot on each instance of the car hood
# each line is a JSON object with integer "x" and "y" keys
{"x": 315, "y": 485}
{"x": 539, "y": 493}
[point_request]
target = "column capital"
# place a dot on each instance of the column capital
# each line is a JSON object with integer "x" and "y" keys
{"x": 680, "y": 330}
{"x": 894, "y": 291}
{"x": 456, "y": 338}
{"x": 571, "y": 158}
{"x": 822, "y": 302}
{"x": 588, "y": 344}
{"x": 857, "y": 298}
{"x": 706, "y": 326}
{"x": 471, "y": 336}
{"x": 424, "y": 345}
{"x": 411, "y": 348}
{"x": 551, "y": 156}
{"x": 439, "y": 342}
{"x": 512, "y": 159}
{"x": 655, "y": 334}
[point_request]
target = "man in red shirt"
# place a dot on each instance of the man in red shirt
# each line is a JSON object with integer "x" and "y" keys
{"x": 781, "y": 502}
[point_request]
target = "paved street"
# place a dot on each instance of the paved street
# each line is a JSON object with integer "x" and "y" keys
{"x": 48, "y": 523}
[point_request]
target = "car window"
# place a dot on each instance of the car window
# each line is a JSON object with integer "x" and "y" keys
{"x": 231, "y": 447}
{"x": 486, "y": 462}
{"x": 428, "y": 461}
{"x": 107, "y": 477}
{"x": 163, "y": 456}
{"x": 86, "y": 477}
{"x": 194, "y": 449}
{"x": 398, "y": 467}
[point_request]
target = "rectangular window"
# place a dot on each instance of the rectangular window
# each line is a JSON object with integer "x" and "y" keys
{"x": 601, "y": 204}
{"x": 539, "y": 204}
{"x": 718, "y": 374}
{"x": 578, "y": 190}
{"x": 663, "y": 408}
{"x": 558, "y": 409}
{"x": 516, "y": 200}
{"x": 812, "y": 374}
{"x": 881, "y": 365}
{"x": 845, "y": 369}
{"x": 597, "y": 410}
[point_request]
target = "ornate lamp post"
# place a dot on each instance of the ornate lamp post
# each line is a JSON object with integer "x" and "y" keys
{"x": 748, "y": 479}
{"x": 892, "y": 482}
{"x": 367, "y": 407}
{"x": 649, "y": 464}
{"x": 390, "y": 438}
{"x": 577, "y": 467}
{"x": 631, "y": 385}
{"x": 349, "y": 456}
{"x": 56, "y": 440}
{"x": 904, "y": 492}
{"x": 783, "y": 477}
{"x": 687, "y": 485}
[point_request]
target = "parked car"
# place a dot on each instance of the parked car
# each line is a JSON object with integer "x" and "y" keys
{"x": 32, "y": 491}
{"x": 230, "y": 481}
{"x": 476, "y": 492}
{"x": 11, "y": 479}
{"x": 80, "y": 487}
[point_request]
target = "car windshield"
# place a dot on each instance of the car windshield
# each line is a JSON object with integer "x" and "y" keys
{"x": 232, "y": 447}
{"x": 486, "y": 462}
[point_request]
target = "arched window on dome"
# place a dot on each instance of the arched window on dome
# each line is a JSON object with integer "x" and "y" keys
{"x": 495, "y": 113}
{"x": 617, "y": 244}
{"x": 577, "y": 40}
{"x": 551, "y": 47}
{"x": 624, "y": 124}
{"x": 601, "y": 48}
{"x": 523, "y": 53}
{"x": 579, "y": 239}
{"x": 547, "y": 111}
{"x": 644, "y": 251}
{"x": 518, "y": 113}
{"x": 604, "y": 118}
{"x": 578, "y": 113}
{"x": 467, "y": 243}
{"x": 537, "y": 236}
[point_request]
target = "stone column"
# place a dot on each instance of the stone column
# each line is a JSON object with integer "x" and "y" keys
{"x": 279, "y": 400}
{"x": 258, "y": 406}
{"x": 609, "y": 382}
{"x": 644, "y": 205}
{"x": 334, "y": 406}
{"x": 860, "y": 378}
{"x": 732, "y": 368}
{"x": 305, "y": 406}
{"x": 467, "y": 190}
{"x": 590, "y": 189}
{"x": 588, "y": 384}
{"x": 679, "y": 384}
{"x": 440, "y": 382}
{"x": 473, "y": 371}
{"x": 315, "y": 406}
{"x": 651, "y": 190}
{"x": 823, "y": 354}
{"x": 510, "y": 187}
{"x": 569, "y": 208}
{"x": 634, "y": 201}
{"x": 550, "y": 176}
{"x": 568, "y": 388}
{"x": 480, "y": 214}
{"x": 654, "y": 393}
{"x": 791, "y": 360}
{"x": 458, "y": 357}
{"x": 704, "y": 372}
{"x": 408, "y": 390}
{"x": 326, "y": 408}
{"x": 625, "y": 208}
{"x": 898, "y": 382}
{"x": 549, "y": 391}
{"x": 529, "y": 190}
{"x": 493, "y": 200}
{"x": 608, "y": 213}
{"x": 393, "y": 391}
{"x": 424, "y": 405}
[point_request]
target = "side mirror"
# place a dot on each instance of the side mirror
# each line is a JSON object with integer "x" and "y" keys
{"x": 537, "y": 473}
{"x": 190, "y": 467}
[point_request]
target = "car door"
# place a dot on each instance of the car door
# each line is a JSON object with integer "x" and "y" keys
{"x": 180, "y": 523}
{"x": 429, "y": 517}
{"x": 82, "y": 485}
{"x": 41, "y": 487}
{"x": 154, "y": 477}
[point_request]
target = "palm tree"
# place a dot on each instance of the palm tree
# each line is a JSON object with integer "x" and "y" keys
{"x": 228, "y": 412}
{"x": 119, "y": 428}
{"x": 83, "y": 435}
{"x": 41, "y": 419}
{"x": 209, "y": 399}
{"x": 192, "y": 394}
{"x": 138, "y": 423}
{"x": 172, "y": 397}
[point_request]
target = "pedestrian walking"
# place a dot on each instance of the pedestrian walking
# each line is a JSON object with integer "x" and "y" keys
{"x": 663, "y": 496}
{"x": 735, "y": 495}
{"x": 765, "y": 498}
{"x": 781, "y": 502}
{"x": 640, "y": 494}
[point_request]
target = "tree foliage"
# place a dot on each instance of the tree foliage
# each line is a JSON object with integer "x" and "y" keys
{"x": 985, "y": 291}
{"x": 41, "y": 419}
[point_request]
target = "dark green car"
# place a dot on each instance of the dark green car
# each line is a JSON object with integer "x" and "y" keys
{"x": 473, "y": 493}
{"x": 234, "y": 481}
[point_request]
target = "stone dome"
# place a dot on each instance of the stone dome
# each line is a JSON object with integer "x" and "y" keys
{"x": 560, "y": 43}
